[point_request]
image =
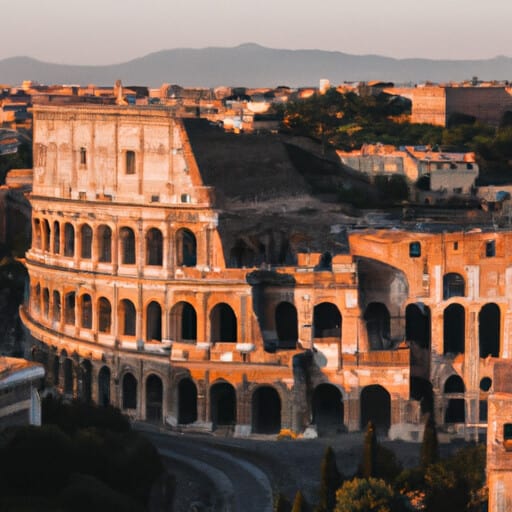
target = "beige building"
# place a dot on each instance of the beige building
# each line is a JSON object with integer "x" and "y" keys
{"x": 148, "y": 292}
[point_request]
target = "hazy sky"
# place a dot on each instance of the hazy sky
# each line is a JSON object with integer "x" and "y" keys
{"x": 109, "y": 31}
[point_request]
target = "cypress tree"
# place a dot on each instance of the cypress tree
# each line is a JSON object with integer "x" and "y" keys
{"x": 430, "y": 445}
{"x": 298, "y": 502}
{"x": 367, "y": 468}
{"x": 331, "y": 479}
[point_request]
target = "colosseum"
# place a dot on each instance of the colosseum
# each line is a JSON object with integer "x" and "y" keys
{"x": 157, "y": 286}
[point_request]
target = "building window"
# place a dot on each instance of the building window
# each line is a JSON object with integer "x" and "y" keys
{"x": 490, "y": 249}
{"x": 185, "y": 198}
{"x": 83, "y": 156}
{"x": 507, "y": 436}
{"x": 455, "y": 246}
{"x": 414, "y": 249}
{"x": 130, "y": 162}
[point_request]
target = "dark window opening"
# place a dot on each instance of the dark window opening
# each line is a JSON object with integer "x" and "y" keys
{"x": 326, "y": 321}
{"x": 453, "y": 286}
{"x": 186, "y": 248}
{"x": 327, "y": 410}
{"x": 375, "y": 405}
{"x": 86, "y": 317}
{"x": 69, "y": 240}
{"x": 286, "y": 325}
{"x": 223, "y": 324}
{"x": 489, "y": 330}
{"x": 418, "y": 324}
{"x": 154, "y": 246}
{"x": 187, "y": 402}
{"x": 154, "y": 398}
{"x": 485, "y": 384}
{"x": 128, "y": 317}
{"x": 130, "y": 162}
{"x": 454, "y": 333}
{"x": 378, "y": 325}
{"x": 105, "y": 244}
{"x": 414, "y": 249}
{"x": 490, "y": 248}
{"x": 127, "y": 246}
{"x": 104, "y": 315}
{"x": 223, "y": 404}
{"x": 129, "y": 392}
{"x": 83, "y": 156}
{"x": 154, "y": 322}
{"x": 266, "y": 411}
{"x": 86, "y": 241}
{"x": 69, "y": 309}
{"x": 104, "y": 387}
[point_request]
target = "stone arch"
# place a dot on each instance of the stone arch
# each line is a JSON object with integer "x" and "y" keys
{"x": 104, "y": 235}
{"x": 187, "y": 401}
{"x": 454, "y": 285}
{"x": 286, "y": 321}
{"x": 183, "y": 322}
{"x": 86, "y": 381}
{"x": 45, "y": 226}
{"x": 454, "y": 329}
{"x": 56, "y": 237}
{"x": 104, "y": 315}
{"x": 46, "y": 303}
{"x": 326, "y": 321}
{"x": 327, "y": 409}
{"x": 36, "y": 301}
{"x": 127, "y": 238}
{"x": 67, "y": 369}
{"x": 104, "y": 386}
{"x": 129, "y": 388}
{"x": 418, "y": 324}
{"x": 86, "y": 311}
{"x": 154, "y": 398}
{"x": 266, "y": 410}
{"x": 36, "y": 238}
{"x": 455, "y": 411}
{"x": 489, "y": 330}
{"x": 222, "y": 404}
{"x": 186, "y": 248}
{"x": 154, "y": 247}
{"x": 127, "y": 317}
{"x": 378, "y": 326}
{"x": 69, "y": 240}
{"x": 375, "y": 405}
{"x": 154, "y": 322}
{"x": 69, "y": 308}
{"x": 56, "y": 312}
{"x": 223, "y": 324}
{"x": 86, "y": 241}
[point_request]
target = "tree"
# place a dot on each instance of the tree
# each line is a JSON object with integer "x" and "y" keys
{"x": 331, "y": 479}
{"x": 367, "y": 467}
{"x": 430, "y": 446}
{"x": 368, "y": 495}
{"x": 298, "y": 502}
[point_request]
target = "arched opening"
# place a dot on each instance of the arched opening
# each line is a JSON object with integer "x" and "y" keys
{"x": 86, "y": 381}
{"x": 453, "y": 286}
{"x": 36, "y": 300}
{"x": 489, "y": 323}
{"x": 223, "y": 324}
{"x": 68, "y": 376}
{"x": 183, "y": 323}
{"x": 266, "y": 411}
{"x": 455, "y": 407}
{"x": 104, "y": 244}
{"x": 154, "y": 398}
{"x": 104, "y": 386}
{"x": 286, "y": 325}
{"x": 327, "y": 409}
{"x": 129, "y": 391}
{"x": 46, "y": 235}
{"x": 376, "y": 407}
{"x": 86, "y": 241}
{"x": 69, "y": 308}
{"x": 104, "y": 315}
{"x": 418, "y": 325}
{"x": 187, "y": 402}
{"x": 222, "y": 404}
{"x": 56, "y": 237}
{"x": 242, "y": 255}
{"x": 36, "y": 238}
{"x": 186, "y": 248}
{"x": 421, "y": 390}
{"x": 454, "y": 329}
{"x": 325, "y": 263}
{"x": 56, "y": 306}
{"x": 127, "y": 237}
{"x": 86, "y": 311}
{"x": 69, "y": 240}
{"x": 154, "y": 322}
{"x": 46, "y": 303}
{"x": 378, "y": 324}
{"x": 128, "y": 317}
{"x": 56, "y": 370}
{"x": 154, "y": 247}
{"x": 326, "y": 321}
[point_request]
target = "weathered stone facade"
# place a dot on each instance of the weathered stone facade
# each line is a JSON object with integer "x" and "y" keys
{"x": 133, "y": 302}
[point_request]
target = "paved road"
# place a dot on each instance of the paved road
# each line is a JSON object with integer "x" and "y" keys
{"x": 239, "y": 485}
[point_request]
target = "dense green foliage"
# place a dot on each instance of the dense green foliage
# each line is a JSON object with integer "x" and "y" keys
{"x": 430, "y": 445}
{"x": 20, "y": 160}
{"x": 85, "y": 467}
{"x": 348, "y": 121}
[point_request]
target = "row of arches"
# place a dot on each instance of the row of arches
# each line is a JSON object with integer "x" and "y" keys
{"x": 418, "y": 328}
{"x": 82, "y": 241}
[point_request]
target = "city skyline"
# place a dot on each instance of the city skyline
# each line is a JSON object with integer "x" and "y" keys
{"x": 104, "y": 34}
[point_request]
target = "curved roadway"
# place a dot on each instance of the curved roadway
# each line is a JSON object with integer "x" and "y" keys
{"x": 239, "y": 485}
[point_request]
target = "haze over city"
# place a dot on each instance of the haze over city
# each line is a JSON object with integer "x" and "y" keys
{"x": 106, "y": 32}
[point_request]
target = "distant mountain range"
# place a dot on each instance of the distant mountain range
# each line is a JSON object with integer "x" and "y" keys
{"x": 253, "y": 65}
